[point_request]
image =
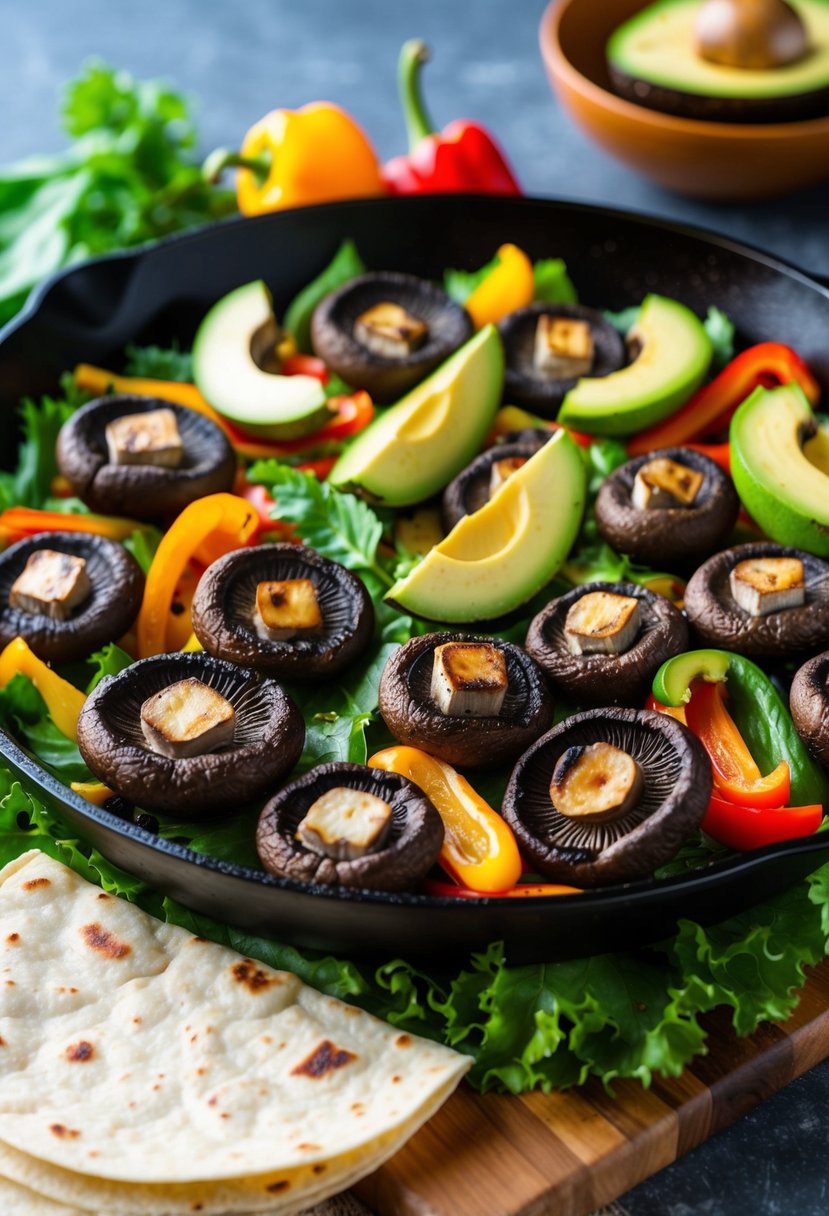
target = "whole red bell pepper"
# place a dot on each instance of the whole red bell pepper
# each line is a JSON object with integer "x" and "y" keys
{"x": 745, "y": 827}
{"x": 463, "y": 157}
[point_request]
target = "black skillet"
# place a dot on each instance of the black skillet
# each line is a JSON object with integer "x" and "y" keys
{"x": 89, "y": 314}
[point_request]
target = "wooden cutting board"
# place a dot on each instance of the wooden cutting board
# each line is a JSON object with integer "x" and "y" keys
{"x": 570, "y": 1153}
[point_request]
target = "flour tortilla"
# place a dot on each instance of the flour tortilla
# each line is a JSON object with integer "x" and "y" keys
{"x": 135, "y": 1053}
{"x": 20, "y": 1201}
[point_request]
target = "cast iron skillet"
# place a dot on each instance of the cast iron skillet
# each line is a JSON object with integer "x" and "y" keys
{"x": 90, "y": 313}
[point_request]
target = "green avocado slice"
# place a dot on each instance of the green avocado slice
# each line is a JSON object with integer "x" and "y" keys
{"x": 675, "y": 355}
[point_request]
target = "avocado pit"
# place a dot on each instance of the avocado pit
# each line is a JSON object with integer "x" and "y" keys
{"x": 750, "y": 34}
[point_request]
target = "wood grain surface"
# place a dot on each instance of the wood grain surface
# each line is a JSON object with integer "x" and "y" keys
{"x": 570, "y": 1153}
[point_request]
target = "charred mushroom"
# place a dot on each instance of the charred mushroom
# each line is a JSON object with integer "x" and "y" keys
{"x": 549, "y": 347}
{"x": 809, "y": 703}
{"x": 761, "y": 600}
{"x": 284, "y": 610}
{"x": 347, "y": 825}
{"x": 602, "y": 643}
{"x": 67, "y": 593}
{"x": 189, "y": 734}
{"x": 475, "y": 485}
{"x": 608, "y": 796}
{"x": 472, "y": 701}
{"x": 143, "y": 457}
{"x": 384, "y": 332}
{"x": 674, "y": 505}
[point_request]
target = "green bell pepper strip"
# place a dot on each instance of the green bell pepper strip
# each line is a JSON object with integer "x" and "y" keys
{"x": 759, "y": 711}
{"x": 345, "y": 265}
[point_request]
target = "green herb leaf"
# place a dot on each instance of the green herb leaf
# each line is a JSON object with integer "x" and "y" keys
{"x": 720, "y": 329}
{"x": 346, "y": 264}
{"x": 459, "y": 284}
{"x": 24, "y": 712}
{"x": 160, "y": 363}
{"x": 30, "y": 485}
{"x": 143, "y": 545}
{"x": 553, "y": 285}
{"x": 625, "y": 320}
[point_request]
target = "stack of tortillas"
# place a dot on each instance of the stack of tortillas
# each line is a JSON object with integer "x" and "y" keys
{"x": 145, "y": 1071}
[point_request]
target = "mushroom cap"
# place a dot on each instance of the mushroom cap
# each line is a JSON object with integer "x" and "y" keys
{"x": 225, "y": 602}
{"x": 469, "y": 491}
{"x": 269, "y": 737}
{"x": 607, "y": 679}
{"x": 677, "y": 774}
{"x": 522, "y": 383}
{"x": 414, "y": 719}
{"x": 809, "y": 703}
{"x": 718, "y": 620}
{"x": 332, "y": 332}
{"x": 142, "y": 491}
{"x": 412, "y": 849}
{"x": 108, "y": 612}
{"x": 665, "y": 534}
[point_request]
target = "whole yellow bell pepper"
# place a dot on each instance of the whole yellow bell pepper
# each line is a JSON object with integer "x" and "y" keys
{"x": 508, "y": 286}
{"x": 63, "y": 700}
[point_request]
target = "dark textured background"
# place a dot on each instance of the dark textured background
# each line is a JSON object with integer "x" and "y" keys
{"x": 240, "y": 59}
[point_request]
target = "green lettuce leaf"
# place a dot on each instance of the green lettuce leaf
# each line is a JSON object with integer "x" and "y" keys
{"x": 553, "y": 284}
{"x": 159, "y": 362}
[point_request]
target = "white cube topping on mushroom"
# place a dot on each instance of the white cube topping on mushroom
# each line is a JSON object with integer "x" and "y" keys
{"x": 187, "y": 718}
{"x": 563, "y": 347}
{"x": 287, "y": 608}
{"x": 602, "y": 622}
{"x": 469, "y": 679}
{"x": 502, "y": 470}
{"x": 345, "y": 824}
{"x": 51, "y": 584}
{"x": 152, "y": 438}
{"x": 596, "y": 782}
{"x": 664, "y": 483}
{"x": 388, "y": 330}
{"x": 761, "y": 585}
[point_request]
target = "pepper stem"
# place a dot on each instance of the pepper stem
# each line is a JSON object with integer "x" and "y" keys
{"x": 227, "y": 158}
{"x": 413, "y": 55}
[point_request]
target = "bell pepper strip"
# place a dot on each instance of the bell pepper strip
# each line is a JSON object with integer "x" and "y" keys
{"x": 180, "y": 621}
{"x": 264, "y": 505}
{"x": 672, "y": 684}
{"x": 93, "y": 791}
{"x": 745, "y": 828}
{"x": 672, "y": 711}
{"x": 19, "y": 522}
{"x": 527, "y": 890}
{"x": 710, "y": 409}
{"x": 305, "y": 365}
{"x": 191, "y": 645}
{"x": 320, "y": 468}
{"x": 463, "y": 157}
{"x": 507, "y": 287}
{"x": 479, "y": 850}
{"x": 205, "y": 530}
{"x": 513, "y": 418}
{"x": 63, "y": 700}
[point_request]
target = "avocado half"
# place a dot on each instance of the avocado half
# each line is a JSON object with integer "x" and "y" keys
{"x": 653, "y": 62}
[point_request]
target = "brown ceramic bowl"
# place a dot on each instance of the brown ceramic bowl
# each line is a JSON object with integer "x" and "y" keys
{"x": 713, "y": 160}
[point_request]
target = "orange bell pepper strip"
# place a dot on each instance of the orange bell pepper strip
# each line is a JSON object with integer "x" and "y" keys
{"x": 671, "y": 711}
{"x": 508, "y": 286}
{"x": 63, "y": 700}
{"x": 736, "y": 775}
{"x": 750, "y": 827}
{"x": 479, "y": 850}
{"x": 19, "y": 522}
{"x": 93, "y": 791}
{"x": 525, "y": 890}
{"x": 205, "y": 530}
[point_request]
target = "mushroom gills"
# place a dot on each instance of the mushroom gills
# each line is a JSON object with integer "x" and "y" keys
{"x": 187, "y": 718}
{"x": 287, "y": 609}
{"x": 563, "y": 348}
{"x": 596, "y": 783}
{"x": 152, "y": 438}
{"x": 51, "y": 584}
{"x": 469, "y": 679}
{"x": 345, "y": 824}
{"x": 761, "y": 585}
{"x": 665, "y": 483}
{"x": 388, "y": 330}
{"x": 502, "y": 470}
{"x": 602, "y": 622}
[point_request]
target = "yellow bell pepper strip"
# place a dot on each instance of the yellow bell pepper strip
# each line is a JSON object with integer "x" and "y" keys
{"x": 180, "y": 621}
{"x": 192, "y": 644}
{"x": 63, "y": 700}
{"x": 19, "y": 522}
{"x": 508, "y": 286}
{"x": 93, "y": 791}
{"x": 524, "y": 890}
{"x": 207, "y": 528}
{"x": 291, "y": 158}
{"x": 479, "y": 850}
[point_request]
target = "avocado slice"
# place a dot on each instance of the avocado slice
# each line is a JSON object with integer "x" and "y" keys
{"x": 227, "y": 374}
{"x": 653, "y": 61}
{"x": 498, "y": 557}
{"x": 780, "y": 466}
{"x": 418, "y": 445}
{"x": 674, "y": 357}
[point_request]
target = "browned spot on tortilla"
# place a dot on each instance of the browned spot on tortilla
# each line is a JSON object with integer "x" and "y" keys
{"x": 225, "y": 1114}
{"x": 396, "y": 1080}
{"x": 2, "y": 1041}
{"x": 308, "y": 1148}
{"x": 274, "y": 1188}
{"x": 197, "y": 940}
{"x": 254, "y": 978}
{"x": 137, "y": 1019}
{"x": 324, "y": 1058}
{"x": 156, "y": 1086}
{"x": 357, "y": 1107}
{"x": 266, "y": 1038}
{"x": 33, "y": 883}
{"x": 10, "y": 983}
{"x": 62, "y": 1132}
{"x": 100, "y": 939}
{"x": 62, "y": 989}
{"x": 200, "y": 1072}
{"x": 403, "y": 1040}
{"x": 319, "y": 1168}
{"x": 12, "y": 938}
{"x": 94, "y": 1152}
{"x": 212, "y": 1101}
{"x": 103, "y": 895}
{"x": 80, "y": 1052}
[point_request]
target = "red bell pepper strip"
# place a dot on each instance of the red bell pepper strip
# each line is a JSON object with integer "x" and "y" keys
{"x": 711, "y": 407}
{"x": 527, "y": 890}
{"x": 463, "y": 157}
{"x": 736, "y": 775}
{"x": 305, "y": 365}
{"x": 746, "y": 827}
{"x": 720, "y": 453}
{"x": 320, "y": 468}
